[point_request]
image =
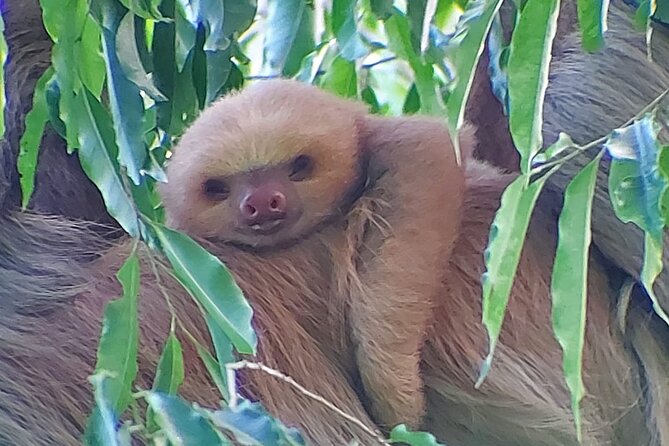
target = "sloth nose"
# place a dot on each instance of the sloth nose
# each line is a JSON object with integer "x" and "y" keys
{"x": 262, "y": 206}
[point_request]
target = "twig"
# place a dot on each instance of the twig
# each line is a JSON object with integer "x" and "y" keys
{"x": 233, "y": 367}
{"x": 598, "y": 141}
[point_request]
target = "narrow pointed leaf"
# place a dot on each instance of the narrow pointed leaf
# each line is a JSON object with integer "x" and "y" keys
{"x": 98, "y": 159}
{"x": 215, "y": 369}
{"x": 469, "y": 40}
{"x": 592, "y": 21}
{"x": 507, "y": 236}
{"x": 125, "y": 101}
{"x": 212, "y": 285}
{"x": 398, "y": 31}
{"x": 3, "y": 60}
{"x": 529, "y": 60}
{"x": 170, "y": 370}
{"x": 90, "y": 60}
{"x": 224, "y": 353}
{"x": 117, "y": 352}
{"x": 31, "y": 139}
{"x": 569, "y": 285}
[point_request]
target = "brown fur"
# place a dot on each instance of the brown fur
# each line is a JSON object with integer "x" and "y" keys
{"x": 388, "y": 266}
{"x": 588, "y": 95}
{"x": 525, "y": 399}
{"x": 47, "y": 344}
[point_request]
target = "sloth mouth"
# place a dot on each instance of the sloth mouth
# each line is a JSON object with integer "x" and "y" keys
{"x": 268, "y": 228}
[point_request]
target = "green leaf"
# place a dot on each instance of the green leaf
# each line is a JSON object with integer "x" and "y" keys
{"x": 147, "y": 9}
{"x": 652, "y": 267}
{"x": 507, "y": 235}
{"x": 344, "y": 27}
{"x": 117, "y": 352}
{"x": 382, "y": 9}
{"x": 90, "y": 60}
{"x": 3, "y": 60}
{"x": 563, "y": 143}
{"x": 569, "y": 285}
{"x": 215, "y": 369}
{"x": 219, "y": 67}
{"x": 170, "y": 370}
{"x": 398, "y": 31}
{"x": 212, "y": 285}
{"x": 252, "y": 425}
{"x": 592, "y": 21}
{"x": 129, "y": 57}
{"x": 98, "y": 160}
{"x": 341, "y": 78}
{"x": 31, "y": 139}
{"x": 125, "y": 101}
{"x": 224, "y": 353}
{"x": 239, "y": 15}
{"x": 469, "y": 40}
{"x": 416, "y": 14}
{"x": 288, "y": 36}
{"x": 183, "y": 425}
{"x": 400, "y": 434}
{"x": 529, "y": 60}
{"x": 101, "y": 425}
{"x": 64, "y": 20}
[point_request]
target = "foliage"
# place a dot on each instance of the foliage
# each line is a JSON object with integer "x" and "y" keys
{"x": 142, "y": 72}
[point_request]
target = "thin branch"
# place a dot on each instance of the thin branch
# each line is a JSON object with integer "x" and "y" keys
{"x": 231, "y": 368}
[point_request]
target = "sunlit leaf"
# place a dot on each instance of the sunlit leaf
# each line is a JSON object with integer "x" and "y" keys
{"x": 569, "y": 285}
{"x": 341, "y": 78}
{"x": 529, "y": 60}
{"x": 592, "y": 21}
{"x": 252, "y": 425}
{"x": 31, "y": 139}
{"x": 212, "y": 285}
{"x": 507, "y": 236}
{"x": 400, "y": 434}
{"x": 398, "y": 31}
{"x": 181, "y": 424}
{"x": 468, "y": 40}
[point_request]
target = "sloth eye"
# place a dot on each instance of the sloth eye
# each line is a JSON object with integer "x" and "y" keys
{"x": 216, "y": 189}
{"x": 301, "y": 168}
